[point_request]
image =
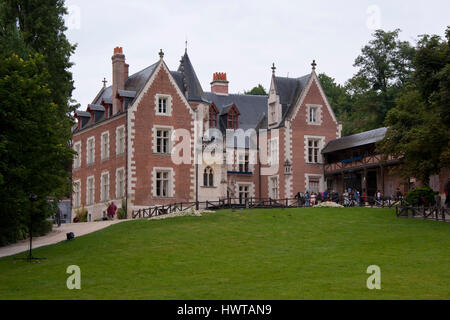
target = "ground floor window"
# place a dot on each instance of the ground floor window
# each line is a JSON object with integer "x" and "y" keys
{"x": 274, "y": 188}
{"x": 90, "y": 191}
{"x": 105, "y": 187}
{"x": 208, "y": 177}
{"x": 77, "y": 194}
{"x": 244, "y": 193}
{"x": 162, "y": 183}
{"x": 314, "y": 184}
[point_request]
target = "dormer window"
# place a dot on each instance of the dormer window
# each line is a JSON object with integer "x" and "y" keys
{"x": 213, "y": 116}
{"x": 233, "y": 118}
{"x": 313, "y": 114}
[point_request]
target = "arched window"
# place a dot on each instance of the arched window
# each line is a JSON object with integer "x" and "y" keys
{"x": 208, "y": 177}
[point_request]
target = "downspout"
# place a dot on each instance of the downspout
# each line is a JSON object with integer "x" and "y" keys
{"x": 126, "y": 163}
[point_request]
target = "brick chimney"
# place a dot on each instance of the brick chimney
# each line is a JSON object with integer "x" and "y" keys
{"x": 219, "y": 84}
{"x": 120, "y": 69}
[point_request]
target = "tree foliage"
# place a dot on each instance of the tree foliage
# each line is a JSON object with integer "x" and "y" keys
{"x": 419, "y": 126}
{"x": 258, "y": 90}
{"x": 35, "y": 122}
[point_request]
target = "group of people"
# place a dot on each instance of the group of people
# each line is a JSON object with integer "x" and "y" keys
{"x": 311, "y": 198}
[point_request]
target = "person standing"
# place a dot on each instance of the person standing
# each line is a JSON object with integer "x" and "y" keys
{"x": 446, "y": 191}
{"x": 307, "y": 199}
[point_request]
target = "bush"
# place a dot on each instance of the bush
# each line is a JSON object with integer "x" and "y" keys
{"x": 121, "y": 212}
{"x": 421, "y": 196}
{"x": 80, "y": 215}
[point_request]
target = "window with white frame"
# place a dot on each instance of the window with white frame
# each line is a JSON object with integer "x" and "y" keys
{"x": 243, "y": 161}
{"x": 162, "y": 140}
{"x": 162, "y": 188}
{"x": 104, "y": 194}
{"x": 90, "y": 191}
{"x": 163, "y": 104}
{"x": 314, "y": 114}
{"x": 274, "y": 188}
{"x": 105, "y": 145}
{"x": 90, "y": 152}
{"x": 77, "y": 194}
{"x": 313, "y": 150}
{"x": 273, "y": 151}
{"x": 77, "y": 159}
{"x": 120, "y": 183}
{"x": 314, "y": 184}
{"x": 120, "y": 140}
{"x": 244, "y": 193}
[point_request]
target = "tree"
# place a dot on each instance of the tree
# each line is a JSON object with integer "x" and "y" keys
{"x": 384, "y": 69}
{"x": 35, "y": 121}
{"x": 419, "y": 126}
{"x": 258, "y": 90}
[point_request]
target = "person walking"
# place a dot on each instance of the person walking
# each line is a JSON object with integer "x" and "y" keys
{"x": 58, "y": 216}
{"x": 307, "y": 199}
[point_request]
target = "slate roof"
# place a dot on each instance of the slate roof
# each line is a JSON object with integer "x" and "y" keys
{"x": 355, "y": 140}
{"x": 96, "y": 107}
{"x": 289, "y": 91}
{"x": 126, "y": 93}
{"x": 189, "y": 81}
{"x": 251, "y": 107}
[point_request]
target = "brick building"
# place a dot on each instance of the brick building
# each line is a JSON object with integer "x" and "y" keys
{"x": 156, "y": 137}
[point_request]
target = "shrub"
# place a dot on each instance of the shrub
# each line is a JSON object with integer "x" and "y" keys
{"x": 121, "y": 212}
{"x": 80, "y": 215}
{"x": 421, "y": 196}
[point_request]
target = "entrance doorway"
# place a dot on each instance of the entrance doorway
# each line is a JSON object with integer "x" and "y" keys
{"x": 371, "y": 183}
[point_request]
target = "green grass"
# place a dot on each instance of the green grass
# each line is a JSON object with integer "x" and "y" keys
{"x": 248, "y": 254}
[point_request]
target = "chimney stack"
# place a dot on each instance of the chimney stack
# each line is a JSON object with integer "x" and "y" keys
{"x": 219, "y": 84}
{"x": 120, "y": 69}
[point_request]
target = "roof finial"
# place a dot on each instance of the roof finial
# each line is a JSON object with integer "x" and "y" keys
{"x": 104, "y": 82}
{"x": 314, "y": 64}
{"x": 273, "y": 68}
{"x": 161, "y": 54}
{"x": 185, "y": 45}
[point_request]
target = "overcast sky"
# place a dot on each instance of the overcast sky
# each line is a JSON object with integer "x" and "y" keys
{"x": 241, "y": 38}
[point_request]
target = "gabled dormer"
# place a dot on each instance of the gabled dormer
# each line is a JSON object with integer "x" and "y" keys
{"x": 96, "y": 111}
{"x": 230, "y": 117}
{"x": 213, "y": 116}
{"x": 83, "y": 118}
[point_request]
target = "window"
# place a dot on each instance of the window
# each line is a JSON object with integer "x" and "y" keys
{"x": 120, "y": 183}
{"x": 232, "y": 121}
{"x": 273, "y": 151}
{"x": 105, "y": 145}
{"x": 312, "y": 114}
{"x": 272, "y": 113}
{"x": 162, "y": 105}
{"x": 120, "y": 140}
{"x": 244, "y": 193}
{"x": 77, "y": 160}
{"x": 90, "y": 191}
{"x": 314, "y": 184}
{"x": 104, "y": 194}
{"x": 313, "y": 150}
{"x": 212, "y": 117}
{"x": 208, "y": 177}
{"x": 90, "y": 150}
{"x": 77, "y": 194}
{"x": 162, "y": 141}
{"x": 162, "y": 183}
{"x": 274, "y": 191}
{"x": 243, "y": 163}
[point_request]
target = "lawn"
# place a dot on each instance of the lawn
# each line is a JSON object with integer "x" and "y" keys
{"x": 246, "y": 254}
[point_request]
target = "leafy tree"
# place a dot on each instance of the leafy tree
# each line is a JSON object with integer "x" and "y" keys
{"x": 419, "y": 126}
{"x": 258, "y": 90}
{"x": 35, "y": 121}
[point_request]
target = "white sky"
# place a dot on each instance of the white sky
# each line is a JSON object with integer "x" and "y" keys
{"x": 241, "y": 38}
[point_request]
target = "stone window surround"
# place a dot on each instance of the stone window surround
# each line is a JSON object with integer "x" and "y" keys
{"x": 92, "y": 138}
{"x": 321, "y": 146}
{"x": 77, "y": 199}
{"x": 102, "y": 146}
{"x": 118, "y": 195}
{"x": 318, "y": 107}
{"x": 77, "y": 160}
{"x": 118, "y": 140}
{"x": 171, "y": 189}
{"x": 154, "y": 131}
{"x": 87, "y": 190}
{"x": 168, "y": 105}
{"x": 102, "y": 196}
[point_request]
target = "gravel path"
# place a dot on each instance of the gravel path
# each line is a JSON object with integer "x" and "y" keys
{"x": 58, "y": 234}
